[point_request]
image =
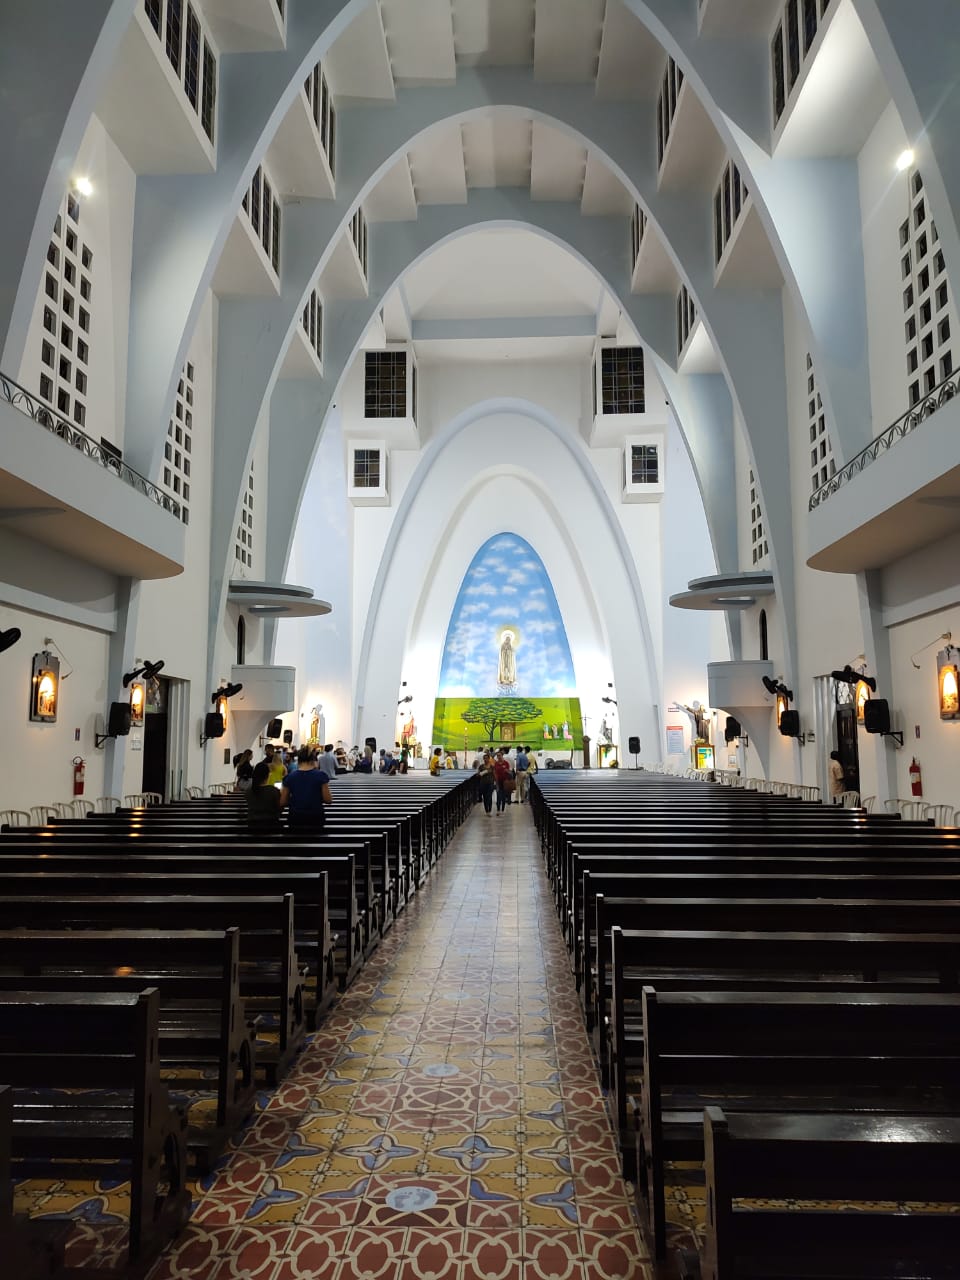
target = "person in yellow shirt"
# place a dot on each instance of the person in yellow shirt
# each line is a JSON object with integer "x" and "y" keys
{"x": 436, "y": 762}
{"x": 277, "y": 768}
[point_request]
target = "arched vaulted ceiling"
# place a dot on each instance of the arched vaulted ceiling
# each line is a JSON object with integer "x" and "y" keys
{"x": 807, "y": 197}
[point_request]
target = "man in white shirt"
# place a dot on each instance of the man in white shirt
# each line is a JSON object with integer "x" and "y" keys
{"x": 327, "y": 761}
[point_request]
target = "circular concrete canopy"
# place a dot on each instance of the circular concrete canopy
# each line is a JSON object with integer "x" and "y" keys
{"x": 276, "y": 599}
{"x": 724, "y": 591}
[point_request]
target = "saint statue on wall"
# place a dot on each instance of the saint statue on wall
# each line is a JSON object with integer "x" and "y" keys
{"x": 507, "y": 669}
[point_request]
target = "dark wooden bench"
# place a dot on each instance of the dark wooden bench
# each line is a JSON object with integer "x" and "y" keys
{"x": 85, "y": 1074}
{"x": 331, "y": 957}
{"x": 30, "y": 1250}
{"x": 880, "y": 1162}
{"x": 756, "y": 1051}
{"x": 733, "y": 914}
{"x": 202, "y": 1024}
{"x": 270, "y": 979}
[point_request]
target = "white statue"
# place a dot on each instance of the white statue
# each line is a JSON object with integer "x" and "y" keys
{"x": 507, "y": 670}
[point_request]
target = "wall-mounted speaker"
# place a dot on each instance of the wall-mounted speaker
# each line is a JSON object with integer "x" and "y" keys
{"x": 633, "y": 746}
{"x": 876, "y": 715}
{"x": 371, "y": 743}
{"x": 274, "y": 728}
{"x": 288, "y": 736}
{"x": 213, "y": 726}
{"x": 732, "y": 729}
{"x": 118, "y": 721}
{"x": 790, "y": 724}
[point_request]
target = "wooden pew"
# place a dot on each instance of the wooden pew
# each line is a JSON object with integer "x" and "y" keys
{"x": 758, "y": 1051}
{"x": 85, "y": 1071}
{"x": 202, "y": 1024}
{"x": 30, "y": 1250}
{"x": 270, "y": 980}
{"x": 882, "y": 1161}
{"x": 734, "y": 914}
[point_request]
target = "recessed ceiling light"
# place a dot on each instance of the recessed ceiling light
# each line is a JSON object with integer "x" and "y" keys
{"x": 83, "y": 187}
{"x": 905, "y": 159}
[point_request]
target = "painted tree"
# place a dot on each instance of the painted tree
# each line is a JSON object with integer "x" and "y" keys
{"x": 494, "y": 712}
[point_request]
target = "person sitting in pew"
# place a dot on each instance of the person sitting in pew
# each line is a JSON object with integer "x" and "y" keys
{"x": 263, "y": 803}
{"x": 306, "y": 792}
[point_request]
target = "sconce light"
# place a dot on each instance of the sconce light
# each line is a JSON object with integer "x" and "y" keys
{"x": 9, "y": 638}
{"x": 215, "y": 722}
{"x": 948, "y": 683}
{"x": 783, "y": 705}
{"x": 45, "y": 688}
{"x": 138, "y": 694}
{"x": 860, "y": 696}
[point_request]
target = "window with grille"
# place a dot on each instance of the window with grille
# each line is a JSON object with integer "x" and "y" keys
{"x": 759, "y": 547}
{"x": 366, "y": 468}
{"x": 686, "y": 317}
{"x": 822, "y": 463}
{"x": 926, "y": 297}
{"x": 320, "y": 104}
{"x": 261, "y": 208}
{"x": 729, "y": 204}
{"x": 790, "y": 46}
{"x": 670, "y": 87}
{"x": 358, "y": 234}
{"x": 311, "y": 322}
{"x": 621, "y": 380}
{"x": 385, "y": 384}
{"x": 64, "y": 356}
{"x": 638, "y": 227}
{"x": 644, "y": 464}
{"x": 243, "y": 550}
{"x": 178, "y": 26}
{"x": 178, "y": 447}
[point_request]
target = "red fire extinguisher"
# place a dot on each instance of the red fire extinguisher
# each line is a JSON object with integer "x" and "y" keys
{"x": 916, "y": 782}
{"x": 79, "y": 769}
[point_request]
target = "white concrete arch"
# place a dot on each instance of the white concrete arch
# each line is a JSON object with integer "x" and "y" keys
{"x": 299, "y": 410}
{"x": 448, "y": 510}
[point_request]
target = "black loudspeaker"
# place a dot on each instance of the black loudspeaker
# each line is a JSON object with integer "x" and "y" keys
{"x": 274, "y": 728}
{"x": 288, "y": 736}
{"x": 790, "y": 724}
{"x": 876, "y": 715}
{"x": 732, "y": 729}
{"x": 371, "y": 743}
{"x": 118, "y": 722}
{"x": 633, "y": 746}
{"x": 213, "y": 726}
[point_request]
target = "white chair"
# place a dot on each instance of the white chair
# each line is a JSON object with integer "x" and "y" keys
{"x": 221, "y": 788}
{"x": 869, "y": 803}
{"x": 850, "y": 800}
{"x": 195, "y": 793}
{"x": 64, "y": 809}
{"x": 912, "y": 810}
{"x": 942, "y": 814}
{"x": 82, "y": 807}
{"x": 14, "y": 818}
{"x": 892, "y": 806}
{"x": 40, "y": 814}
{"x": 106, "y": 804}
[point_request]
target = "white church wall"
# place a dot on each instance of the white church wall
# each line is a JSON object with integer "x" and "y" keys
{"x": 106, "y": 227}
{"x": 321, "y": 649}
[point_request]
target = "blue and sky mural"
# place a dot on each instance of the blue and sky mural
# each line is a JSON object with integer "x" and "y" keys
{"x": 506, "y": 588}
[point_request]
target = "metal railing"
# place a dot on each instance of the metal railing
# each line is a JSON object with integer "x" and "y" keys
{"x": 33, "y": 407}
{"x": 897, "y": 431}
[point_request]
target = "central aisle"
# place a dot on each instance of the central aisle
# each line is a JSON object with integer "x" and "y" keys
{"x": 446, "y": 1120}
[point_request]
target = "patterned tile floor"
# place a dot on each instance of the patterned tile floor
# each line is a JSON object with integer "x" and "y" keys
{"x": 446, "y": 1122}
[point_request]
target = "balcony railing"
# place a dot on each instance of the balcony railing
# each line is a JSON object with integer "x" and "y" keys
{"x": 897, "y": 431}
{"x": 41, "y": 413}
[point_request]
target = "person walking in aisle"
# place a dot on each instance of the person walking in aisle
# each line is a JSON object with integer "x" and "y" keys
{"x": 307, "y": 792}
{"x": 487, "y": 781}
{"x": 503, "y": 774}
{"x": 523, "y": 763}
